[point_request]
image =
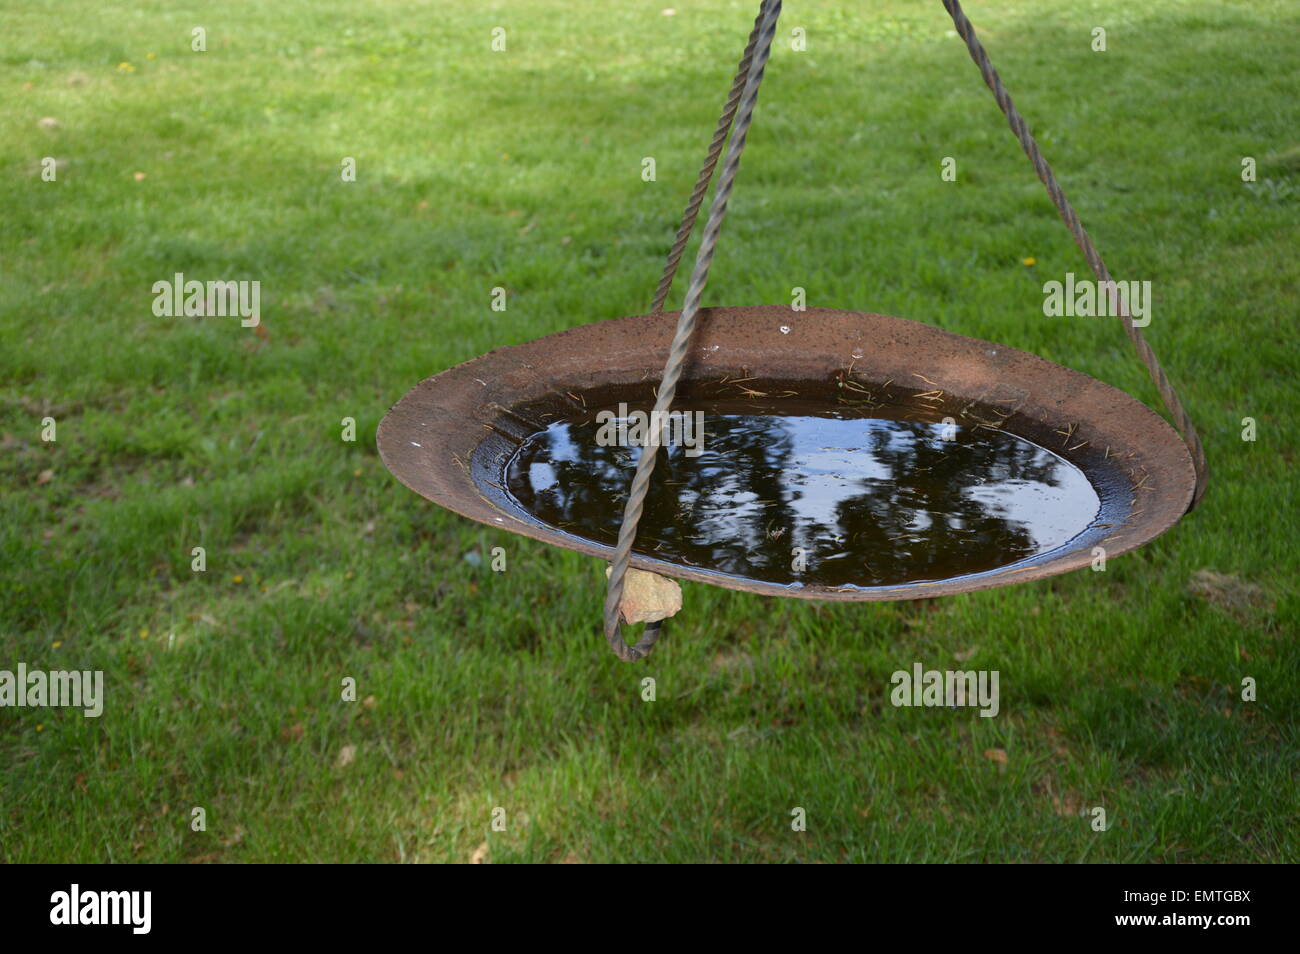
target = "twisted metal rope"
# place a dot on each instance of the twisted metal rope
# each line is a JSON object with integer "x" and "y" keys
{"x": 1018, "y": 126}
{"x": 765, "y": 28}
{"x": 706, "y": 171}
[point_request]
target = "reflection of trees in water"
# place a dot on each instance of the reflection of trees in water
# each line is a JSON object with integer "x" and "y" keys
{"x": 918, "y": 523}
{"x": 736, "y": 505}
{"x": 740, "y": 506}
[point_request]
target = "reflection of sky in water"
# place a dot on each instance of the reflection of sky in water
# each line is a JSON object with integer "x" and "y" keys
{"x": 822, "y": 480}
{"x": 542, "y": 475}
{"x": 872, "y": 501}
{"x": 1051, "y": 524}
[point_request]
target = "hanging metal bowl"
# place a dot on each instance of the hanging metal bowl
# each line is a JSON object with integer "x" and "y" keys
{"x": 451, "y": 438}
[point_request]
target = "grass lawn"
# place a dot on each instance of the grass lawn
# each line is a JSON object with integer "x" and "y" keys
{"x": 479, "y": 690}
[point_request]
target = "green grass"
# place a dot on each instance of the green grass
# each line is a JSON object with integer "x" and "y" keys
{"x": 522, "y": 169}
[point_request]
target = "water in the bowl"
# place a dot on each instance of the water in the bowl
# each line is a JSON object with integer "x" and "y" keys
{"x": 817, "y": 497}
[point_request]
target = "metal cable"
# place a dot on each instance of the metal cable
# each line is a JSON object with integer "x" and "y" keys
{"x": 706, "y": 171}
{"x": 766, "y": 29}
{"x": 1018, "y": 126}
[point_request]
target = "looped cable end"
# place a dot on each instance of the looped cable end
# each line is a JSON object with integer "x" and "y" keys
{"x": 644, "y": 646}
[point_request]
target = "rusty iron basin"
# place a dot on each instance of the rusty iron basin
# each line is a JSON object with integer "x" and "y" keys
{"x": 450, "y": 438}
